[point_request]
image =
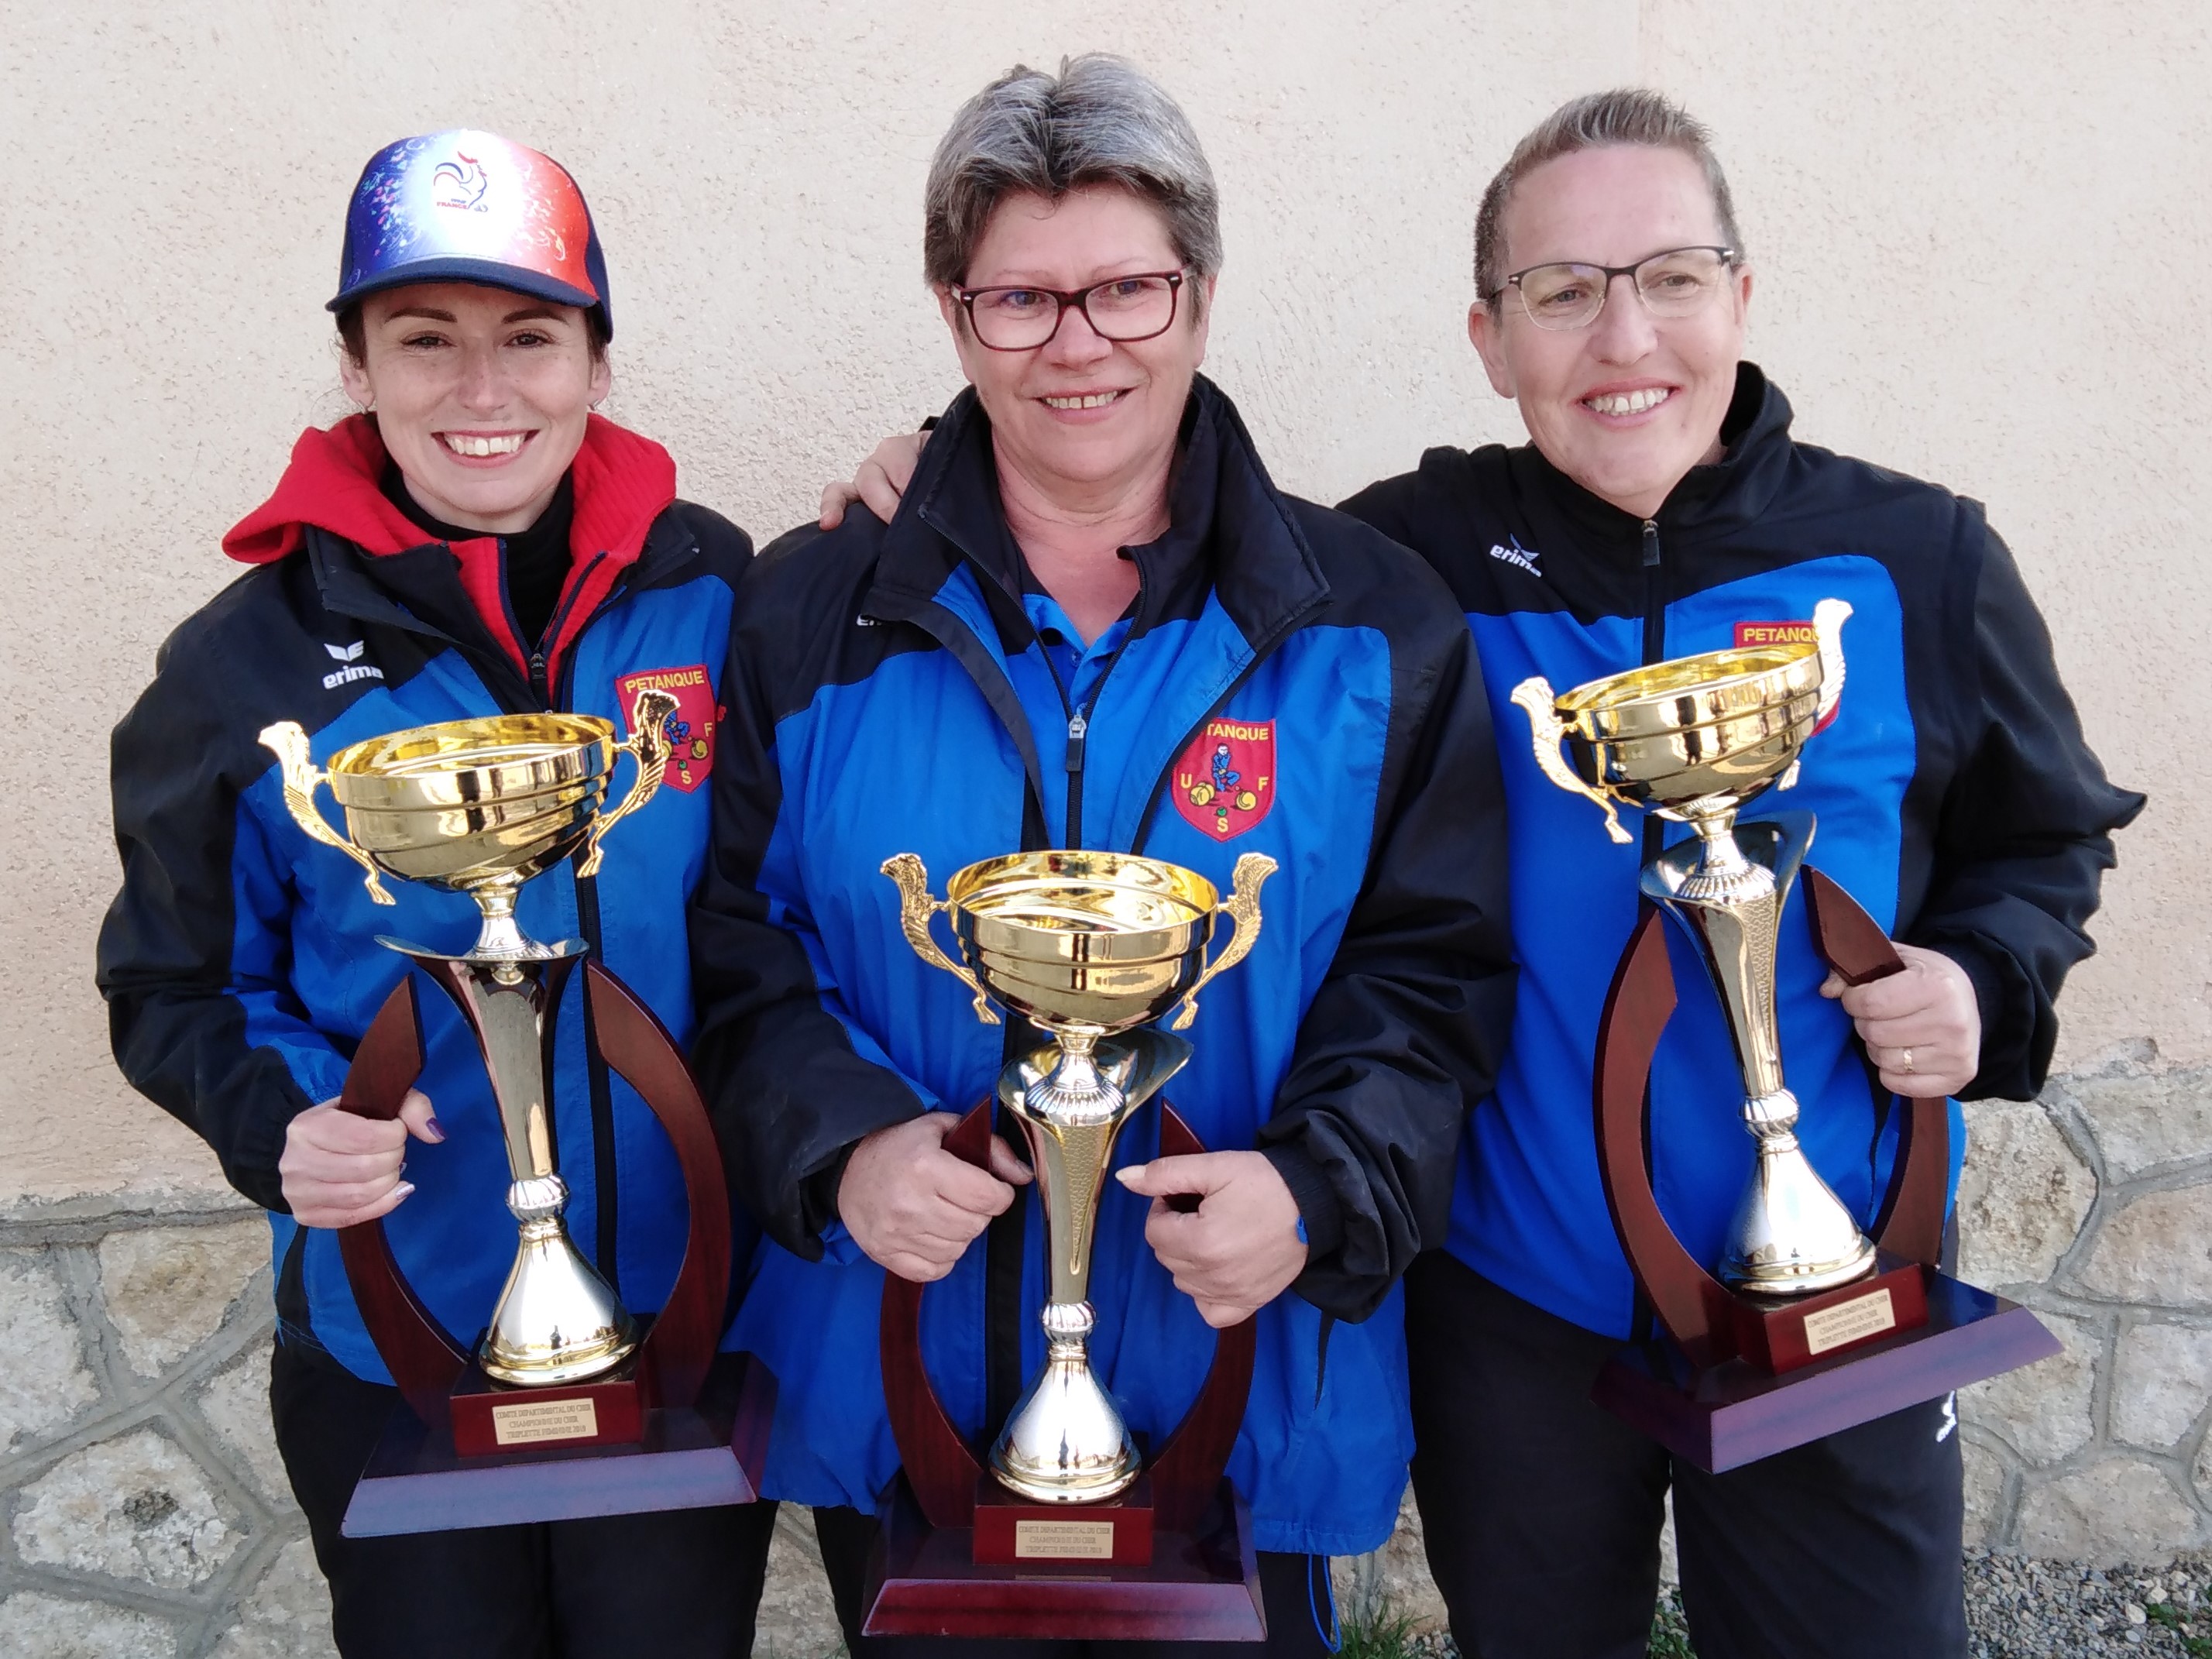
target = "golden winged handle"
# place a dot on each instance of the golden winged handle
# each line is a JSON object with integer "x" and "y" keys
{"x": 1828, "y": 619}
{"x": 1533, "y": 695}
{"x": 288, "y": 741}
{"x": 1242, "y": 907}
{"x": 916, "y": 907}
{"x": 648, "y": 745}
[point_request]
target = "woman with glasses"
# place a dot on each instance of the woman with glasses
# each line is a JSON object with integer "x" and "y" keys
{"x": 1097, "y": 624}
{"x": 1662, "y": 508}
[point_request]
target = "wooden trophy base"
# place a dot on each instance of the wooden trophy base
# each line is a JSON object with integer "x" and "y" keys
{"x": 1722, "y": 1417}
{"x": 1200, "y": 1585}
{"x": 683, "y": 1457}
{"x": 959, "y": 1555}
{"x": 1740, "y": 1377}
{"x": 677, "y": 1425}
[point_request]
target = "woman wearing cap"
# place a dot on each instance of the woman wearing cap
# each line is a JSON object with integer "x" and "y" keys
{"x": 476, "y": 541}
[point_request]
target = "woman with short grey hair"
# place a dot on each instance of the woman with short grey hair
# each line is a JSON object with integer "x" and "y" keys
{"x": 1099, "y": 625}
{"x": 1100, "y": 121}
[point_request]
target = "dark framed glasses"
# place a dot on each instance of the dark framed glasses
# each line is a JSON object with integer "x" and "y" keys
{"x": 1123, "y": 309}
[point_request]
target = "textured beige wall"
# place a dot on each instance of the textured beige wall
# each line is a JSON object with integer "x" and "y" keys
{"x": 1981, "y": 232}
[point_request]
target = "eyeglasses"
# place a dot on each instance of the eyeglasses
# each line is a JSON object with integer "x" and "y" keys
{"x": 1676, "y": 283}
{"x": 1123, "y": 309}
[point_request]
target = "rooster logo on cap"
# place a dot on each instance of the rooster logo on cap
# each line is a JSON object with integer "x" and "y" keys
{"x": 467, "y": 182}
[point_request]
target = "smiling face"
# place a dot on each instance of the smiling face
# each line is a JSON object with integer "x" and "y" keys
{"x": 1629, "y": 404}
{"x": 481, "y": 396}
{"x": 1081, "y": 418}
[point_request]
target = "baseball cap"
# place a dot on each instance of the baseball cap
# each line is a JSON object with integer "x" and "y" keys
{"x": 471, "y": 207}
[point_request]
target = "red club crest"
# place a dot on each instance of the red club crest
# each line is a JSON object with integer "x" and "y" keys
{"x": 690, "y": 729}
{"x": 1224, "y": 783}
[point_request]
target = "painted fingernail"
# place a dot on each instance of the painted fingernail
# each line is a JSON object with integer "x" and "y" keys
{"x": 405, "y": 1189}
{"x": 434, "y": 1128}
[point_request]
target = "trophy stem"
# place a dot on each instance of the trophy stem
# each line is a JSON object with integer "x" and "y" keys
{"x": 501, "y": 938}
{"x": 1724, "y": 875}
{"x": 1065, "y": 1443}
{"x": 557, "y": 1321}
{"x": 1075, "y": 1092}
{"x": 1791, "y": 1235}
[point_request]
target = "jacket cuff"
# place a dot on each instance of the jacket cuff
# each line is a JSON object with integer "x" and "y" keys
{"x": 1319, "y": 1210}
{"x": 819, "y": 1193}
{"x": 2000, "y": 994}
{"x": 250, "y": 1162}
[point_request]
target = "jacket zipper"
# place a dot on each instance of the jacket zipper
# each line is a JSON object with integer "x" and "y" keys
{"x": 1655, "y": 650}
{"x": 606, "y": 1175}
{"x": 552, "y": 628}
{"x": 1655, "y": 597}
{"x": 1078, "y": 723}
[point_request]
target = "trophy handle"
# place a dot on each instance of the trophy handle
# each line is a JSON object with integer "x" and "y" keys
{"x": 916, "y": 907}
{"x": 1828, "y": 619}
{"x": 648, "y": 745}
{"x": 288, "y": 741}
{"x": 1243, "y": 907}
{"x": 1535, "y": 696}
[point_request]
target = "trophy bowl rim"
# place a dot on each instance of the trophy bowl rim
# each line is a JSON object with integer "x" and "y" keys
{"x": 1047, "y": 970}
{"x": 1701, "y": 689}
{"x": 469, "y": 761}
{"x": 1175, "y": 882}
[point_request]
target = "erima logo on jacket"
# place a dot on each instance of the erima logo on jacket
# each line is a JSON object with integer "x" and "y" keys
{"x": 354, "y": 668}
{"x": 1516, "y": 554}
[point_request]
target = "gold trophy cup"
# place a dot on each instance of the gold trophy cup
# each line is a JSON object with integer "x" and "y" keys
{"x": 1088, "y": 946}
{"x": 1693, "y": 739}
{"x": 480, "y": 806}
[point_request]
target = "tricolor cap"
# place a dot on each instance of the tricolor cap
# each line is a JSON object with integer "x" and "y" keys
{"x": 471, "y": 207}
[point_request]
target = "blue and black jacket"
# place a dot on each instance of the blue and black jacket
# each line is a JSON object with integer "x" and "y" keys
{"x": 1956, "y": 800}
{"x": 1287, "y": 682}
{"x": 240, "y": 960}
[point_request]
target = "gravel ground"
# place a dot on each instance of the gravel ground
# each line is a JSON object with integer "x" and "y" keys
{"x": 2020, "y": 1608}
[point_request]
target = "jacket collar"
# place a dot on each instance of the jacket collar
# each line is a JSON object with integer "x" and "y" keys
{"x": 1230, "y": 531}
{"x": 1710, "y": 502}
{"x": 623, "y": 483}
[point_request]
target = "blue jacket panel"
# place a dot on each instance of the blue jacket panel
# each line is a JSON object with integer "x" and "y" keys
{"x": 1955, "y": 800}
{"x": 240, "y": 959}
{"x": 904, "y": 703}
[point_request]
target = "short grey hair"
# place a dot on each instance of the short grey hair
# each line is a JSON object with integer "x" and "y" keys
{"x": 1626, "y": 115}
{"x": 1100, "y": 120}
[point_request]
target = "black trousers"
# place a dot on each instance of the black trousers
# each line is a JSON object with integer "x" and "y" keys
{"x": 684, "y": 1584}
{"x": 1543, "y": 1512}
{"x": 1293, "y": 1590}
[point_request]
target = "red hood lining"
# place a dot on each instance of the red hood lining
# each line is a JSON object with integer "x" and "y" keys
{"x": 624, "y": 481}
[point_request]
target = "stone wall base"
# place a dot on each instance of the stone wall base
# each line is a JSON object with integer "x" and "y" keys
{"x": 143, "y": 1510}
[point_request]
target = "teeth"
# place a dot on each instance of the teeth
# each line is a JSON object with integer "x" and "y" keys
{"x": 1630, "y": 403}
{"x": 1088, "y": 400}
{"x": 461, "y": 444}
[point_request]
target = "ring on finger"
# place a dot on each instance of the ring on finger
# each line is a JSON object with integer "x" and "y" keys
{"x": 1907, "y": 1068}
